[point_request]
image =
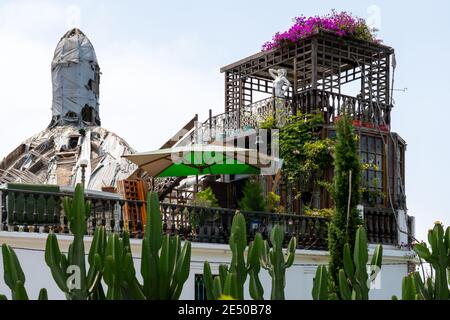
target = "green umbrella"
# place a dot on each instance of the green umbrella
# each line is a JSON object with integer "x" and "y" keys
{"x": 194, "y": 160}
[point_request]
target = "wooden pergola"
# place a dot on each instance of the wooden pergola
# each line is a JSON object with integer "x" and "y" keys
{"x": 317, "y": 67}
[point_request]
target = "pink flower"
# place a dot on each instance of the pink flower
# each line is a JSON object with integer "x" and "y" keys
{"x": 342, "y": 23}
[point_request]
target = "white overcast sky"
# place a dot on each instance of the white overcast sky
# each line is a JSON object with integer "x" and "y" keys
{"x": 160, "y": 65}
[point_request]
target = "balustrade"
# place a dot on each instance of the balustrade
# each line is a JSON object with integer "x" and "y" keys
{"x": 35, "y": 211}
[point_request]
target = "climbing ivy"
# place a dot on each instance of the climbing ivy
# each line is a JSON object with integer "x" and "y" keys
{"x": 305, "y": 154}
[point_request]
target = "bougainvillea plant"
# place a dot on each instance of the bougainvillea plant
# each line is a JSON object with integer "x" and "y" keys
{"x": 341, "y": 23}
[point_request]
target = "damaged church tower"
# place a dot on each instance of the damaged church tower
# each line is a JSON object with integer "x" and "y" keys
{"x": 75, "y": 80}
{"x": 74, "y": 146}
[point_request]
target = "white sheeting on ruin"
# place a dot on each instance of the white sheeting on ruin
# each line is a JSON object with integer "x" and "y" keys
{"x": 75, "y": 80}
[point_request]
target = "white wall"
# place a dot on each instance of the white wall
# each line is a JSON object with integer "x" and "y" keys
{"x": 30, "y": 251}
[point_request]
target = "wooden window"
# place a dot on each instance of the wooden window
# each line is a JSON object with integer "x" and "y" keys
{"x": 372, "y": 156}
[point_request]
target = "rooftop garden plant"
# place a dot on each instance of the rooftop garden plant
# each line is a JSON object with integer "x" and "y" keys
{"x": 253, "y": 198}
{"x": 205, "y": 198}
{"x": 341, "y": 23}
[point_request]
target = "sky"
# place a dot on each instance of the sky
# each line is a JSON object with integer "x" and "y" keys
{"x": 160, "y": 64}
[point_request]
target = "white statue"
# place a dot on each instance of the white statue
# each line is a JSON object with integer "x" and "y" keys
{"x": 279, "y": 81}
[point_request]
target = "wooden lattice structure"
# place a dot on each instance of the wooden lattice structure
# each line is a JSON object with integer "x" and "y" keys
{"x": 318, "y": 67}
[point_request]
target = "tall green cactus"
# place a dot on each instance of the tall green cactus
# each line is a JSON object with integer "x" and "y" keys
{"x": 436, "y": 286}
{"x": 272, "y": 259}
{"x": 231, "y": 280}
{"x": 72, "y": 266}
{"x": 14, "y": 276}
{"x": 165, "y": 265}
{"x": 353, "y": 280}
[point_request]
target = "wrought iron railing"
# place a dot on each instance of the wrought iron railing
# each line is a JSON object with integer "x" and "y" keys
{"x": 332, "y": 105}
{"x": 36, "y": 211}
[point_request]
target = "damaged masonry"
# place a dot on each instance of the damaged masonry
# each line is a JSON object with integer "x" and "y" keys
{"x": 74, "y": 136}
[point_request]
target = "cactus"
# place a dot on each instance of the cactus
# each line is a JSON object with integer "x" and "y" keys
{"x": 272, "y": 259}
{"x": 231, "y": 280}
{"x": 77, "y": 211}
{"x": 119, "y": 273}
{"x": 14, "y": 276}
{"x": 165, "y": 265}
{"x": 353, "y": 280}
{"x": 436, "y": 286}
{"x": 320, "y": 284}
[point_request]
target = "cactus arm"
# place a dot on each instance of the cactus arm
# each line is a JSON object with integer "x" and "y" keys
{"x": 344, "y": 288}
{"x": 377, "y": 258}
{"x": 238, "y": 243}
{"x": 175, "y": 250}
{"x": 320, "y": 284}
{"x": 255, "y": 287}
{"x": 291, "y": 252}
{"x": 223, "y": 272}
{"x": 360, "y": 255}
{"x": 422, "y": 251}
{"x": 278, "y": 264}
{"x": 150, "y": 247}
{"x": 96, "y": 259}
{"x": 164, "y": 267}
{"x": 96, "y": 275}
{"x": 43, "y": 294}
{"x": 230, "y": 288}
{"x": 447, "y": 246}
{"x": 208, "y": 279}
{"x": 53, "y": 258}
{"x": 109, "y": 276}
{"x": 182, "y": 270}
{"x": 419, "y": 285}
{"x": 348, "y": 263}
{"x": 228, "y": 285}
{"x": 254, "y": 252}
{"x": 217, "y": 289}
{"x": 155, "y": 224}
{"x": 19, "y": 292}
{"x": 11, "y": 267}
{"x": 408, "y": 289}
{"x": 264, "y": 260}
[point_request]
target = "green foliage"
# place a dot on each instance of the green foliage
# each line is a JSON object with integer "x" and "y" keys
{"x": 325, "y": 212}
{"x": 436, "y": 286}
{"x": 353, "y": 280}
{"x": 205, "y": 198}
{"x": 304, "y": 153}
{"x": 253, "y": 198}
{"x": 272, "y": 259}
{"x": 268, "y": 123}
{"x": 62, "y": 267}
{"x": 343, "y": 226}
{"x": 231, "y": 280}
{"x": 273, "y": 202}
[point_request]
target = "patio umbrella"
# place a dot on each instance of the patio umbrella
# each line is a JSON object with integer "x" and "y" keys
{"x": 201, "y": 160}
